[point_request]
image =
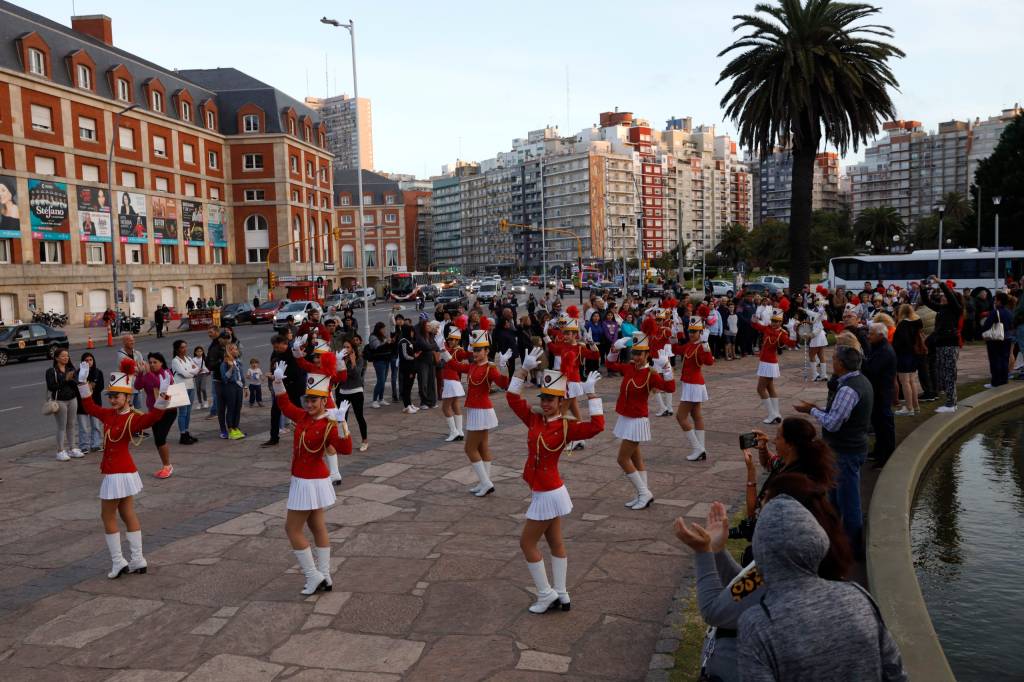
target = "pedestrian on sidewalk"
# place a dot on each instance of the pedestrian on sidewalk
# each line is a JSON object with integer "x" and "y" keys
{"x": 379, "y": 349}
{"x": 152, "y": 385}
{"x": 90, "y": 429}
{"x": 909, "y": 346}
{"x": 214, "y": 359}
{"x": 229, "y": 410}
{"x": 998, "y": 349}
{"x": 60, "y": 387}
{"x": 350, "y": 388}
{"x": 294, "y": 384}
{"x": 407, "y": 355}
{"x": 949, "y": 312}
{"x": 201, "y": 378}
{"x": 879, "y": 367}
{"x": 186, "y": 370}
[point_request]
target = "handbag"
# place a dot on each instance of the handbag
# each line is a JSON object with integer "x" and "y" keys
{"x": 995, "y": 332}
{"x": 50, "y": 406}
{"x": 919, "y": 345}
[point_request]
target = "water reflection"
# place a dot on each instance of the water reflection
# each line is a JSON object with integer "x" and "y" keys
{"x": 966, "y": 524}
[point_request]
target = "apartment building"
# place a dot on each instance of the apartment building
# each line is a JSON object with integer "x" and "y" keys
{"x": 772, "y": 178}
{"x": 351, "y": 150}
{"x": 985, "y": 136}
{"x": 486, "y": 199}
{"x": 385, "y": 231}
{"x": 446, "y": 210}
{"x": 212, "y": 169}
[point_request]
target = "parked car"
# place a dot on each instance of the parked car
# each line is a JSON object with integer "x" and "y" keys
{"x": 719, "y": 287}
{"x": 653, "y": 290}
{"x": 779, "y": 281}
{"x": 297, "y": 310}
{"x": 362, "y": 297}
{"x": 336, "y": 301}
{"x": 266, "y": 310}
{"x": 565, "y": 287}
{"x": 234, "y": 314}
{"x": 761, "y": 288}
{"x": 23, "y": 341}
{"x": 453, "y": 297}
{"x": 488, "y": 291}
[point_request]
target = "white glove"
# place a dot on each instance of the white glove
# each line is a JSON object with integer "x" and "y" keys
{"x": 501, "y": 359}
{"x": 591, "y": 382}
{"x": 83, "y": 373}
{"x": 532, "y": 359}
{"x": 84, "y": 390}
{"x": 439, "y": 339}
{"x": 165, "y": 383}
{"x": 445, "y": 356}
{"x": 338, "y": 414}
{"x": 705, "y": 335}
{"x": 341, "y": 355}
{"x": 279, "y": 371}
{"x": 298, "y": 346}
{"x": 588, "y": 336}
{"x": 666, "y": 352}
{"x": 621, "y": 343}
{"x": 547, "y": 325}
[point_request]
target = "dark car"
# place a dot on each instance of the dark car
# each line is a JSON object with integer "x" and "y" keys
{"x": 653, "y": 290}
{"x": 605, "y": 288}
{"x": 451, "y": 298}
{"x": 234, "y": 314}
{"x": 267, "y": 310}
{"x": 761, "y": 288}
{"x": 23, "y": 341}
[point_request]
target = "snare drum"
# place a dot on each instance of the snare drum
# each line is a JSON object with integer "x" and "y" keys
{"x": 805, "y": 331}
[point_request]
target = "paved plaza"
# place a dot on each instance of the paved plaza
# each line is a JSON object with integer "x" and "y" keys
{"x": 429, "y": 581}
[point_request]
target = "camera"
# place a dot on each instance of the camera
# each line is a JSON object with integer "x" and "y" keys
{"x": 744, "y": 530}
{"x": 748, "y": 440}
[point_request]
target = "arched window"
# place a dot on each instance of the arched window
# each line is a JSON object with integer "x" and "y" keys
{"x": 348, "y": 256}
{"x": 257, "y": 239}
{"x": 313, "y": 238}
{"x": 296, "y": 236}
{"x": 391, "y": 253}
{"x": 371, "y": 256}
{"x": 255, "y": 223}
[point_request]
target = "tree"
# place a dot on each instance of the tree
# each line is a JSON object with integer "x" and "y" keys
{"x": 767, "y": 244}
{"x": 807, "y": 71}
{"x": 831, "y": 236}
{"x": 733, "y": 243}
{"x": 878, "y": 226}
{"x": 1002, "y": 175}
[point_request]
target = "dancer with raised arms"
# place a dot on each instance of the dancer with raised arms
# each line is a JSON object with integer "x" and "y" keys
{"x": 772, "y": 338}
{"x": 327, "y": 364}
{"x": 696, "y": 353}
{"x": 570, "y": 352}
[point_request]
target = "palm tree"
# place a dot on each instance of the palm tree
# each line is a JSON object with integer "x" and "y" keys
{"x": 733, "y": 243}
{"x": 957, "y": 207}
{"x": 808, "y": 70}
{"x": 878, "y": 226}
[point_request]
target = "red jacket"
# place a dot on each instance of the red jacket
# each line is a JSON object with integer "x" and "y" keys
{"x": 546, "y": 439}
{"x": 694, "y": 357}
{"x": 636, "y": 387}
{"x": 570, "y": 353}
{"x": 308, "y": 327}
{"x": 661, "y": 337}
{"x": 118, "y": 428}
{"x": 312, "y": 436}
{"x": 770, "y": 341}
{"x": 450, "y": 374}
{"x": 480, "y": 379}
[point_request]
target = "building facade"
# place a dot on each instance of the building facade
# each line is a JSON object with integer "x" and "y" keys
{"x": 772, "y": 181}
{"x": 985, "y": 136}
{"x": 385, "y": 234}
{"x": 351, "y": 150}
{"x": 213, "y": 173}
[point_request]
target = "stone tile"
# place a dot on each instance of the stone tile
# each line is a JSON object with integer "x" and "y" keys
{"x": 619, "y": 649}
{"x": 341, "y": 676}
{"x": 471, "y": 607}
{"x": 349, "y": 651}
{"x": 209, "y": 627}
{"x": 379, "y": 574}
{"x": 146, "y": 676}
{"x": 359, "y": 513}
{"x": 673, "y": 503}
{"x": 226, "y": 612}
{"x": 386, "y": 470}
{"x": 258, "y": 628}
{"x": 376, "y": 492}
{"x": 625, "y": 567}
{"x": 543, "y": 662}
{"x": 230, "y": 668}
{"x": 397, "y": 545}
{"x": 92, "y": 620}
{"x": 699, "y": 510}
{"x": 226, "y": 582}
{"x": 382, "y": 614}
{"x": 205, "y": 561}
{"x": 329, "y": 603}
{"x": 246, "y": 524}
{"x": 465, "y": 657}
{"x": 315, "y": 621}
{"x": 594, "y": 517}
{"x": 42, "y": 611}
{"x": 556, "y": 632}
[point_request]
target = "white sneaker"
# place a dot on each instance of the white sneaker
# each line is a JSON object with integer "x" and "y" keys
{"x": 413, "y": 409}
{"x": 375, "y": 404}
{"x": 988, "y": 385}
{"x": 76, "y": 453}
{"x": 945, "y": 409}
{"x": 384, "y": 403}
{"x": 62, "y": 456}
{"x": 423, "y": 407}
{"x": 903, "y": 412}
{"x": 363, "y": 446}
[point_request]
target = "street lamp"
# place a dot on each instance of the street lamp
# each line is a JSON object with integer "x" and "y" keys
{"x": 115, "y": 241}
{"x": 896, "y": 246}
{"x": 995, "y": 202}
{"x": 351, "y": 28}
{"x": 868, "y": 244}
{"x": 942, "y": 213}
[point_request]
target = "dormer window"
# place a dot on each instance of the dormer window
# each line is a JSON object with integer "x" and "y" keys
{"x": 158, "y": 101}
{"x": 291, "y": 127}
{"x": 186, "y": 111}
{"x": 83, "y": 77}
{"x": 251, "y": 123}
{"x": 124, "y": 90}
{"x": 211, "y": 120}
{"x": 36, "y": 61}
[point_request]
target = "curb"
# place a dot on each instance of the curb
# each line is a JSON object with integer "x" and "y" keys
{"x": 890, "y": 565}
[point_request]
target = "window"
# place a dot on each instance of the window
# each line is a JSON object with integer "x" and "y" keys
{"x": 371, "y": 256}
{"x": 253, "y": 162}
{"x": 84, "y": 77}
{"x": 215, "y": 192}
{"x": 192, "y": 255}
{"x": 166, "y": 255}
{"x": 94, "y": 254}
{"x": 133, "y": 254}
{"x": 390, "y": 200}
{"x": 128, "y": 178}
{"x": 124, "y": 90}
{"x": 5, "y": 251}
{"x": 367, "y": 199}
{"x": 42, "y": 118}
{"x": 188, "y": 153}
{"x": 255, "y": 195}
{"x": 256, "y": 255}
{"x": 390, "y": 218}
{"x": 87, "y": 128}
{"x": 90, "y": 173}
{"x": 367, "y": 219}
{"x": 126, "y": 138}
{"x": 348, "y": 256}
{"x": 36, "y": 62}
{"x": 391, "y": 255}
{"x": 158, "y": 101}
{"x": 186, "y": 111}
{"x": 256, "y": 223}
{"x": 211, "y": 120}
{"x": 309, "y": 169}
{"x": 346, "y": 200}
{"x": 295, "y": 195}
{"x": 291, "y": 127}
{"x": 190, "y": 189}
{"x": 160, "y": 147}
{"x": 49, "y": 253}
{"x": 251, "y": 123}
{"x": 161, "y": 184}
{"x": 293, "y": 163}
{"x": 346, "y": 220}
{"x": 218, "y": 256}
{"x": 305, "y": 134}
{"x": 45, "y": 166}
{"x": 213, "y": 159}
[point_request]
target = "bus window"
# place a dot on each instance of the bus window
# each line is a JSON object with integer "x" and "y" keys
{"x": 854, "y": 270}
{"x": 901, "y": 271}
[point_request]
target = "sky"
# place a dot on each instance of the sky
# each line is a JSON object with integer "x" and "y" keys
{"x": 461, "y": 79}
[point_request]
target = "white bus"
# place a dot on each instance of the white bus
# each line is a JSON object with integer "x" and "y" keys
{"x": 967, "y": 267}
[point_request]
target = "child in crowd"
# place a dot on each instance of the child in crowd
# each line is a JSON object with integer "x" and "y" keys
{"x": 732, "y": 326}
{"x": 254, "y": 377}
{"x": 201, "y": 379}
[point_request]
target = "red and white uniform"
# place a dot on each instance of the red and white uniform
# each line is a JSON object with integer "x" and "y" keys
{"x": 570, "y": 355}
{"x": 120, "y": 477}
{"x": 771, "y": 339}
{"x": 311, "y": 485}
{"x": 694, "y": 357}
{"x": 451, "y": 386}
{"x": 480, "y": 415}
{"x": 337, "y": 376}
{"x": 634, "y": 392}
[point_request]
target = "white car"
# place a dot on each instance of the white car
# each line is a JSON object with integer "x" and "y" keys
{"x": 297, "y": 310}
{"x": 778, "y": 280}
{"x": 719, "y": 287}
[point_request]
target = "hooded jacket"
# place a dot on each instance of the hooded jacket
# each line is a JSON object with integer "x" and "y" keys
{"x": 805, "y": 627}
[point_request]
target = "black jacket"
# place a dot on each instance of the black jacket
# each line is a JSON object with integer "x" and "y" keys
{"x": 294, "y": 376}
{"x": 59, "y": 386}
{"x": 947, "y": 318}
{"x": 880, "y": 368}
{"x": 214, "y": 356}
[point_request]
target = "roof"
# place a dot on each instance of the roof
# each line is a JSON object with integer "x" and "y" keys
{"x": 375, "y": 184}
{"x": 236, "y": 89}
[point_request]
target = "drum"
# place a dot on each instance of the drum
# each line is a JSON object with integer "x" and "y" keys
{"x": 805, "y": 331}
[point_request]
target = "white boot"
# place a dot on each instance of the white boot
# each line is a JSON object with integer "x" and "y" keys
{"x": 697, "y": 440}
{"x": 486, "y": 487}
{"x": 453, "y": 432}
{"x": 322, "y": 558}
{"x": 767, "y": 403}
{"x": 776, "y": 414}
{"x": 643, "y": 493}
{"x": 332, "y": 464}
{"x": 636, "y": 478}
{"x": 137, "y": 562}
{"x": 546, "y": 597}
{"x": 118, "y": 565}
{"x": 458, "y": 428}
{"x": 315, "y": 580}
{"x": 559, "y": 569}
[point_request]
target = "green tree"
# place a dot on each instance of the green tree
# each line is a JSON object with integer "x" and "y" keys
{"x": 733, "y": 244}
{"x": 808, "y": 73}
{"x": 767, "y": 243}
{"x": 1002, "y": 175}
{"x": 878, "y": 226}
{"x": 831, "y": 236}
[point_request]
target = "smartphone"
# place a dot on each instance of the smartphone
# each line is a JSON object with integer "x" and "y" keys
{"x": 748, "y": 441}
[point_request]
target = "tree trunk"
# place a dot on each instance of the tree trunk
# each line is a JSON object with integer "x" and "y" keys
{"x": 800, "y": 216}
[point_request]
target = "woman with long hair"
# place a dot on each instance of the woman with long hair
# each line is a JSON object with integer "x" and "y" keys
{"x": 60, "y": 386}
{"x": 185, "y": 370}
{"x": 351, "y": 387}
{"x": 949, "y": 313}
{"x": 233, "y": 387}
{"x": 201, "y": 378}
{"x": 151, "y": 383}
{"x": 379, "y": 349}
{"x": 908, "y": 344}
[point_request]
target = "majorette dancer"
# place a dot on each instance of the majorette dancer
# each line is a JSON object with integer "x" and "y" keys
{"x": 819, "y": 340}
{"x": 768, "y": 368}
{"x": 121, "y": 481}
{"x": 550, "y": 432}
{"x": 480, "y": 415}
{"x": 327, "y": 363}
{"x": 632, "y": 426}
{"x": 451, "y": 388}
{"x": 658, "y": 327}
{"x": 570, "y": 351}
{"x": 696, "y": 353}
{"x": 319, "y": 431}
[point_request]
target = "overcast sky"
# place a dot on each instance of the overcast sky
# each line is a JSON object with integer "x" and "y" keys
{"x": 462, "y": 78}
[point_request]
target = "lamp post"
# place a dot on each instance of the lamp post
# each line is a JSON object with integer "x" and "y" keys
{"x": 867, "y": 243}
{"x": 115, "y": 231}
{"x": 351, "y": 28}
{"x": 978, "y": 187}
{"x": 942, "y": 213}
{"x": 995, "y": 202}
{"x": 896, "y": 246}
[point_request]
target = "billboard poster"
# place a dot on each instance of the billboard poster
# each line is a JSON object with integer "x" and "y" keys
{"x": 10, "y": 216}
{"x": 131, "y": 219}
{"x": 215, "y": 223}
{"x": 94, "y": 214}
{"x": 165, "y": 220}
{"x": 192, "y": 223}
{"x": 48, "y": 210}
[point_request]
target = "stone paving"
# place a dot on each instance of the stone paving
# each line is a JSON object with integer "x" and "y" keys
{"x": 429, "y": 582}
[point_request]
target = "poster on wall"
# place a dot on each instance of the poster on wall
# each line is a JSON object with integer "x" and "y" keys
{"x": 131, "y": 219}
{"x": 94, "y": 214}
{"x": 192, "y": 223}
{"x": 10, "y": 216}
{"x": 48, "y": 210}
{"x": 165, "y": 220}
{"x": 215, "y": 223}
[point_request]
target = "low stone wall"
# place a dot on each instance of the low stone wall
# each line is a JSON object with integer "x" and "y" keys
{"x": 890, "y": 565}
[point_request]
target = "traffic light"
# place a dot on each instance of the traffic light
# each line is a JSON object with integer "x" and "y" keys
{"x": 503, "y": 225}
{"x": 337, "y": 233}
{"x": 272, "y": 280}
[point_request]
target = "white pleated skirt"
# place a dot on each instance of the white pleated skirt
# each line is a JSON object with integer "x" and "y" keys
{"x": 480, "y": 419}
{"x": 574, "y": 389}
{"x": 819, "y": 340}
{"x": 305, "y": 494}
{"x": 694, "y": 393}
{"x": 769, "y": 370}
{"x": 452, "y": 389}
{"x": 636, "y": 429}
{"x": 117, "y": 486}
{"x": 549, "y": 504}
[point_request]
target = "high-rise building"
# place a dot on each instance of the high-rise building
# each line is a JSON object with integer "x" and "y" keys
{"x": 446, "y": 214}
{"x": 339, "y": 114}
{"x": 985, "y": 136}
{"x": 772, "y": 182}
{"x": 486, "y": 199}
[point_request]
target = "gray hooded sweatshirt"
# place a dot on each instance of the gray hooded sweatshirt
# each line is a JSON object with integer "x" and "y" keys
{"x": 806, "y": 628}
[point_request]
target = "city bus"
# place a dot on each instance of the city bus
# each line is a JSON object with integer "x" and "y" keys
{"x": 405, "y": 286}
{"x": 967, "y": 267}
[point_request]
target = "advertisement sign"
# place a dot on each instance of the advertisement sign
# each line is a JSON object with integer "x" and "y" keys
{"x": 165, "y": 220}
{"x": 94, "y": 214}
{"x": 192, "y": 223}
{"x": 10, "y": 216}
{"x": 215, "y": 216}
{"x": 131, "y": 218}
{"x": 48, "y": 210}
